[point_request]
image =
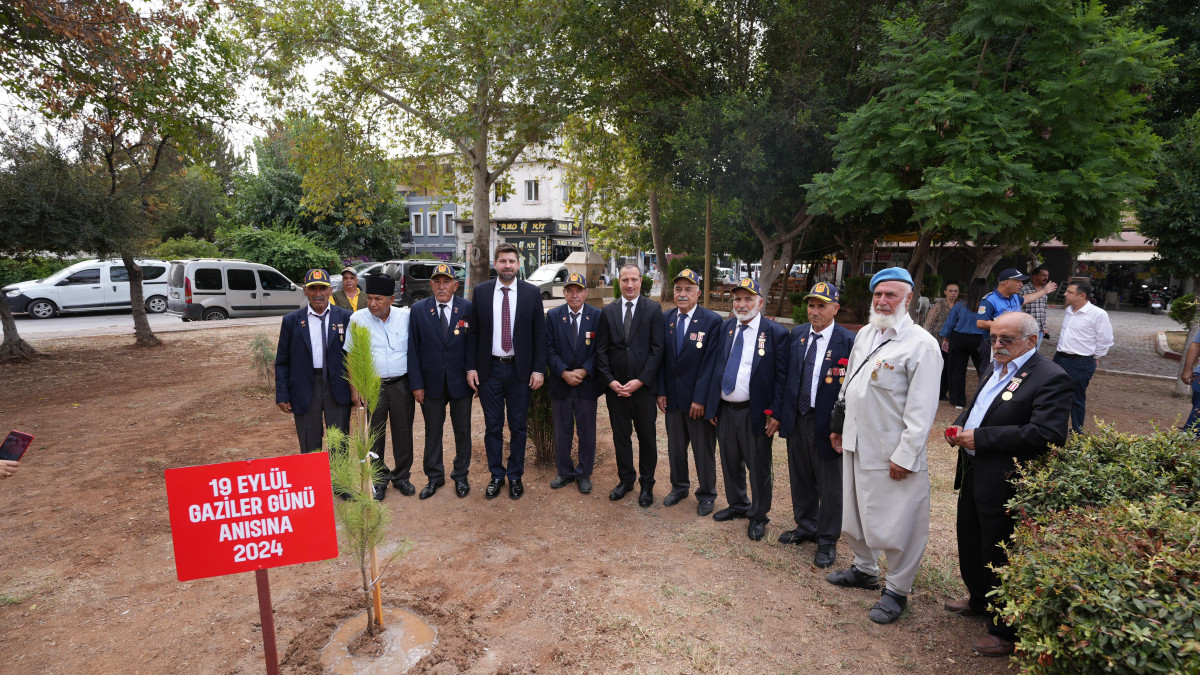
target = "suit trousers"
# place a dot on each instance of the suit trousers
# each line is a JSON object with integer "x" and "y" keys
{"x": 963, "y": 347}
{"x": 1081, "y": 371}
{"x": 683, "y": 431}
{"x": 503, "y": 389}
{"x": 572, "y": 414}
{"x": 742, "y": 450}
{"x": 983, "y": 524}
{"x": 396, "y": 409}
{"x": 627, "y": 413}
{"x": 816, "y": 484}
{"x": 322, "y": 411}
{"x": 434, "y": 412}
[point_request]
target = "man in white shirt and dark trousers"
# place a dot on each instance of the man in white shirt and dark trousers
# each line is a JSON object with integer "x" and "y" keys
{"x": 389, "y": 347}
{"x": 1083, "y": 340}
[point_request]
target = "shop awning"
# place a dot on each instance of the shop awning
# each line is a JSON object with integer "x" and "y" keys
{"x": 1117, "y": 256}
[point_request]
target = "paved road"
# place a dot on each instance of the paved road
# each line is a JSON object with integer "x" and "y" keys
{"x": 1134, "y": 335}
{"x": 118, "y": 323}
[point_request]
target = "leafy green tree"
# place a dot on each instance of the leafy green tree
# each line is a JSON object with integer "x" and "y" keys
{"x": 1023, "y": 124}
{"x": 488, "y": 79}
{"x": 287, "y": 250}
{"x": 185, "y": 247}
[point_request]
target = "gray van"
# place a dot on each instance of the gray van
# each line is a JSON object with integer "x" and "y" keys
{"x": 224, "y": 288}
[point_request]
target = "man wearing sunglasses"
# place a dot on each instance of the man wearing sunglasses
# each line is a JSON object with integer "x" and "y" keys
{"x": 1018, "y": 413}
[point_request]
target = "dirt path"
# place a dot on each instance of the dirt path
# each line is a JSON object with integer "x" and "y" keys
{"x": 557, "y": 582}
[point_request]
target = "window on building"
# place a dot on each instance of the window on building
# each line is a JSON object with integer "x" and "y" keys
{"x": 501, "y": 195}
{"x": 566, "y": 193}
{"x": 433, "y": 224}
{"x": 417, "y": 228}
{"x": 449, "y": 228}
{"x": 531, "y": 190}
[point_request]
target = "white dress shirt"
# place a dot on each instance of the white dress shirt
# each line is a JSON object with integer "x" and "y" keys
{"x": 1086, "y": 332}
{"x": 314, "y": 336}
{"x": 497, "y": 316}
{"x": 389, "y": 339}
{"x": 681, "y": 326}
{"x": 741, "y": 390}
{"x": 822, "y": 346}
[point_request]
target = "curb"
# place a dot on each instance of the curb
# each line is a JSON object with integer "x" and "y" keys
{"x": 1128, "y": 373}
{"x": 1160, "y": 346}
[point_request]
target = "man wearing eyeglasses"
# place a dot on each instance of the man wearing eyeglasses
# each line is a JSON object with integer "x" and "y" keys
{"x": 1018, "y": 413}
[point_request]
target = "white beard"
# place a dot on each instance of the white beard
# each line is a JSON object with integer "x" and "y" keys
{"x": 883, "y": 322}
{"x": 748, "y": 316}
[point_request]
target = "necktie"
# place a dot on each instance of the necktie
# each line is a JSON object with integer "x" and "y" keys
{"x": 682, "y": 328}
{"x": 574, "y": 328}
{"x": 810, "y": 362}
{"x": 628, "y": 317}
{"x": 729, "y": 380}
{"x": 505, "y": 323}
{"x": 324, "y": 349}
{"x": 445, "y": 321}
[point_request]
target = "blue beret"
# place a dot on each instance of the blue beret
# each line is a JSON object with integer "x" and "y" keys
{"x": 891, "y": 274}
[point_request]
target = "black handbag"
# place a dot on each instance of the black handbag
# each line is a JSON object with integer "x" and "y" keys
{"x": 837, "y": 418}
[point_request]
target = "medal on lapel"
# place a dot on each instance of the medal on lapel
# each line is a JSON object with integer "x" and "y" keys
{"x": 460, "y": 325}
{"x": 699, "y": 340}
{"x": 762, "y": 344}
{"x": 1007, "y": 396}
{"x": 587, "y": 337}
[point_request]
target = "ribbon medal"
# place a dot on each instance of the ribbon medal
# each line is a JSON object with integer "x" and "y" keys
{"x": 762, "y": 344}
{"x": 699, "y": 340}
{"x": 587, "y": 337}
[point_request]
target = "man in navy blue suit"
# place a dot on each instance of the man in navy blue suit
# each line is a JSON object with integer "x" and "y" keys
{"x": 508, "y": 362}
{"x": 440, "y": 336}
{"x": 683, "y": 384}
{"x": 747, "y": 389}
{"x": 310, "y": 372}
{"x": 819, "y": 353}
{"x": 571, "y": 355}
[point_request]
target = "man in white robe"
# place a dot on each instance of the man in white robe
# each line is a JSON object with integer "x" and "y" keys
{"x": 891, "y": 393}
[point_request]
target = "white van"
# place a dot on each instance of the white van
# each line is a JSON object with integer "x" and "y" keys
{"x": 88, "y": 286}
{"x": 223, "y": 288}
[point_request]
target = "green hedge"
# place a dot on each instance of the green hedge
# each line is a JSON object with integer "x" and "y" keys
{"x": 856, "y": 296}
{"x": 16, "y": 270}
{"x": 1183, "y": 309}
{"x": 799, "y": 307}
{"x": 286, "y": 250}
{"x": 931, "y": 286}
{"x": 1109, "y": 466}
{"x": 691, "y": 262}
{"x": 1110, "y": 590}
{"x": 185, "y": 247}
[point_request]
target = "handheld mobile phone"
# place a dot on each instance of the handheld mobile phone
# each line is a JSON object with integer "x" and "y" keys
{"x": 15, "y": 445}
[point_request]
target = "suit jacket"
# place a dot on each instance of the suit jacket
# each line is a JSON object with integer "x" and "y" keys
{"x": 294, "y": 359}
{"x": 686, "y": 374}
{"x": 829, "y": 382}
{"x": 768, "y": 373}
{"x": 620, "y": 360}
{"x": 437, "y": 362}
{"x": 528, "y": 330}
{"x": 565, "y": 352}
{"x": 1025, "y": 426}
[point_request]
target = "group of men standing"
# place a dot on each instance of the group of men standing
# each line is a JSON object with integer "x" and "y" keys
{"x": 855, "y": 410}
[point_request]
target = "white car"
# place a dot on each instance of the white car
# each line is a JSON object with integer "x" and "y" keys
{"x": 548, "y": 278}
{"x": 88, "y": 286}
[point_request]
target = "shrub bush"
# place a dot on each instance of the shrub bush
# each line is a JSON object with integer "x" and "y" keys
{"x": 1183, "y": 309}
{"x": 1108, "y": 466}
{"x": 856, "y": 296}
{"x": 647, "y": 284}
{"x": 931, "y": 286}
{"x": 799, "y": 307}
{"x": 687, "y": 262}
{"x": 185, "y": 247}
{"x": 286, "y": 250}
{"x": 1114, "y": 589}
{"x": 16, "y": 270}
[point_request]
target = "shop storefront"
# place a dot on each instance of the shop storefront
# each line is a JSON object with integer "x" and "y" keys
{"x": 541, "y": 241}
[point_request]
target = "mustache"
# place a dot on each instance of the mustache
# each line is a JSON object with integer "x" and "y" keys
{"x": 1001, "y": 351}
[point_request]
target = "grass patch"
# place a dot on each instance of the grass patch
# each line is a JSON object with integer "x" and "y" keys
{"x": 939, "y": 577}
{"x": 14, "y": 598}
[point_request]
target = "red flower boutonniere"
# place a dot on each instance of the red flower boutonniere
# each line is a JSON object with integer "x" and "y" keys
{"x": 843, "y": 362}
{"x": 768, "y": 412}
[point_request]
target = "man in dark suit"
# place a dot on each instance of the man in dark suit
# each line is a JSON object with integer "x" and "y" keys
{"x": 1018, "y": 412}
{"x": 747, "y": 390}
{"x": 440, "y": 336}
{"x": 310, "y": 371}
{"x": 571, "y": 353}
{"x": 683, "y": 384}
{"x": 508, "y": 362}
{"x": 819, "y": 352}
{"x": 628, "y": 352}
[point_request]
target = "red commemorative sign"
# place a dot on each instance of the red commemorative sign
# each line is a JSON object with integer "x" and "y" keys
{"x": 251, "y": 515}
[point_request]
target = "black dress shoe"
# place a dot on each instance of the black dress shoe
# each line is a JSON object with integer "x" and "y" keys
{"x": 493, "y": 488}
{"x": 380, "y": 492}
{"x": 406, "y": 488}
{"x": 826, "y": 554}
{"x": 851, "y": 577}
{"x": 515, "y": 489}
{"x": 795, "y": 537}
{"x": 704, "y": 508}
{"x": 561, "y": 481}
{"x": 756, "y": 530}
{"x": 585, "y": 486}
{"x": 462, "y": 488}
{"x": 429, "y": 490}
{"x": 618, "y": 493}
{"x": 673, "y": 498}
{"x": 646, "y": 498}
{"x": 728, "y": 514}
{"x": 889, "y": 608}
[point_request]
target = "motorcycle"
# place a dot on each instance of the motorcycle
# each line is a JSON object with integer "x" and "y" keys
{"x": 1157, "y": 302}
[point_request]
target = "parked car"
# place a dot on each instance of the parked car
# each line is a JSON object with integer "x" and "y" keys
{"x": 724, "y": 275}
{"x": 412, "y": 279}
{"x": 548, "y": 277}
{"x": 222, "y": 288}
{"x": 88, "y": 286}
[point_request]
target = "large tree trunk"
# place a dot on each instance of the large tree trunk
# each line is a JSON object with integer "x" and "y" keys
{"x": 783, "y": 243}
{"x": 660, "y": 248}
{"x": 787, "y": 276}
{"x": 916, "y": 268}
{"x": 137, "y": 300}
{"x": 14, "y": 347}
{"x": 988, "y": 259}
{"x": 481, "y": 254}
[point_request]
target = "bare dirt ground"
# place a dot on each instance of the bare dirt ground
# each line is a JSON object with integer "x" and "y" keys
{"x": 557, "y": 582}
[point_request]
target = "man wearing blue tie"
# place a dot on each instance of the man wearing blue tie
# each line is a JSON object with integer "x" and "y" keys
{"x": 752, "y": 358}
{"x": 571, "y": 354}
{"x": 683, "y": 384}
